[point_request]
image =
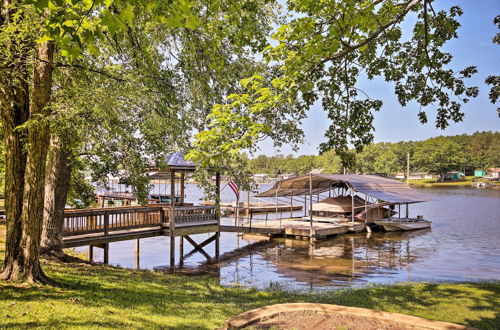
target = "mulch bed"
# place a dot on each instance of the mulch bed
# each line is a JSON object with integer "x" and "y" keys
{"x": 312, "y": 320}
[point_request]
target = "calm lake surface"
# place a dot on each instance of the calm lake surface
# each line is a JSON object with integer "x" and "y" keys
{"x": 463, "y": 245}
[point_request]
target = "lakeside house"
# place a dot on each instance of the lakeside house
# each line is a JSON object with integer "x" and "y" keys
{"x": 493, "y": 173}
{"x": 286, "y": 176}
{"x": 422, "y": 176}
{"x": 479, "y": 172}
{"x": 261, "y": 178}
{"x": 400, "y": 175}
{"x": 453, "y": 176}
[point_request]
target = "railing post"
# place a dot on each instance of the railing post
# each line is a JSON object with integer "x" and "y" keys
{"x": 106, "y": 223}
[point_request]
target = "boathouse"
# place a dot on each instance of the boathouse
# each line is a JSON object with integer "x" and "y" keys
{"x": 376, "y": 192}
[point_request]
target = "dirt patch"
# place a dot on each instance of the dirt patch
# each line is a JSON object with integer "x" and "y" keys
{"x": 312, "y": 320}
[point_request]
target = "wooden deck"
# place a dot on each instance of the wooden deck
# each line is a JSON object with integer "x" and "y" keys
{"x": 104, "y": 225}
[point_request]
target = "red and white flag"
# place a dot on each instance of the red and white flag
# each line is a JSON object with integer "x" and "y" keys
{"x": 235, "y": 188}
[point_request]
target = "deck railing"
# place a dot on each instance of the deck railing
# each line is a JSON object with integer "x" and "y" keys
{"x": 194, "y": 214}
{"x": 105, "y": 220}
{"x": 86, "y": 221}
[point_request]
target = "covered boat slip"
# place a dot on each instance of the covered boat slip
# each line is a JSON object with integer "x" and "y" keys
{"x": 344, "y": 201}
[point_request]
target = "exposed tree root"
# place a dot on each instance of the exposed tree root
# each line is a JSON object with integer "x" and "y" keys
{"x": 60, "y": 256}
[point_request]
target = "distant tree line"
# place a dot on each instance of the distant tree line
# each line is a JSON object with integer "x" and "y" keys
{"x": 435, "y": 155}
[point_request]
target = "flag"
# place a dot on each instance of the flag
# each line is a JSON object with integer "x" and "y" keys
{"x": 235, "y": 188}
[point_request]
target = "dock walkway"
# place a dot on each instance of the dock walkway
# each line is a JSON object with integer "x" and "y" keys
{"x": 296, "y": 228}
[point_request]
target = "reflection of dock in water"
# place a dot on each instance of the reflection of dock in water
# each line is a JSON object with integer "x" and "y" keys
{"x": 338, "y": 261}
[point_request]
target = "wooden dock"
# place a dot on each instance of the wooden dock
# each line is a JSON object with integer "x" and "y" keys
{"x": 259, "y": 207}
{"x": 296, "y": 228}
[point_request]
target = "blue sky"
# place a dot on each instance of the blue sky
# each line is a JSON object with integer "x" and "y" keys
{"x": 394, "y": 123}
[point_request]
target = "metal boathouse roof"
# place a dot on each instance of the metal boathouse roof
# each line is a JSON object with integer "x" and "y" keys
{"x": 383, "y": 189}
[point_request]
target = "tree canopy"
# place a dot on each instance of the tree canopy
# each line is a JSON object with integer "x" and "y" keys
{"x": 435, "y": 155}
{"x": 320, "y": 54}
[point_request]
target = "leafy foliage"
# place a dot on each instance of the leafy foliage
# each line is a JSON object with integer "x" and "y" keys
{"x": 321, "y": 54}
{"x": 493, "y": 80}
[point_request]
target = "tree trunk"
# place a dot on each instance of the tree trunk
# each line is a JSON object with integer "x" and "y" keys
{"x": 56, "y": 192}
{"x": 15, "y": 112}
{"x": 24, "y": 203}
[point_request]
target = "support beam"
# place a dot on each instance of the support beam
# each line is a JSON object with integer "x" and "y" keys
{"x": 181, "y": 251}
{"x": 91, "y": 253}
{"x": 137, "y": 265}
{"x": 172, "y": 201}
{"x": 106, "y": 253}
{"x": 352, "y": 206}
{"x": 172, "y": 253}
{"x": 311, "y": 229}
{"x": 217, "y": 245}
{"x": 199, "y": 247}
{"x": 182, "y": 187}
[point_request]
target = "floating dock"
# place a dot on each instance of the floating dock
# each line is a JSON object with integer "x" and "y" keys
{"x": 297, "y": 229}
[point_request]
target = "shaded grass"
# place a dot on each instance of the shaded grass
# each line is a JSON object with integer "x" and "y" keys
{"x": 109, "y": 297}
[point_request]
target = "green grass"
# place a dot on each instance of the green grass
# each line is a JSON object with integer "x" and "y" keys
{"x": 466, "y": 182}
{"x": 103, "y": 296}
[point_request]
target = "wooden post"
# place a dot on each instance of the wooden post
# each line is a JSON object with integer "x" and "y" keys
{"x": 106, "y": 253}
{"x": 172, "y": 201}
{"x": 407, "y": 211}
{"x": 352, "y": 206}
{"x": 217, "y": 203}
{"x": 181, "y": 250}
{"x": 311, "y": 241}
{"x": 106, "y": 224}
{"x": 366, "y": 210}
{"x": 217, "y": 245}
{"x": 182, "y": 188}
{"x": 248, "y": 203}
{"x": 305, "y": 206}
{"x": 172, "y": 252}
{"x": 91, "y": 253}
{"x": 137, "y": 253}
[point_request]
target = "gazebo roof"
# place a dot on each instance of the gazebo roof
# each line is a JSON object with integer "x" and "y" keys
{"x": 177, "y": 161}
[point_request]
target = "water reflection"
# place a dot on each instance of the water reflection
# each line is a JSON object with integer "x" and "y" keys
{"x": 462, "y": 245}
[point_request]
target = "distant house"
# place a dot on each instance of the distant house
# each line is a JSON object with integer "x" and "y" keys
{"x": 281, "y": 177}
{"x": 400, "y": 176}
{"x": 479, "y": 172}
{"x": 453, "y": 176}
{"x": 317, "y": 171}
{"x": 261, "y": 178}
{"x": 418, "y": 176}
{"x": 493, "y": 173}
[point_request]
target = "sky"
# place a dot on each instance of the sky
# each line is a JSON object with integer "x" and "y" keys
{"x": 396, "y": 123}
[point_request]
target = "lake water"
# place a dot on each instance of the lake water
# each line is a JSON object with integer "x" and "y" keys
{"x": 463, "y": 245}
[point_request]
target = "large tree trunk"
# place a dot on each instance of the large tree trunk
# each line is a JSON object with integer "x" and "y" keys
{"x": 15, "y": 112}
{"x": 56, "y": 192}
{"x": 24, "y": 221}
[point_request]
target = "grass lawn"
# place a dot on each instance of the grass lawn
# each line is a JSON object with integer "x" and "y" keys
{"x": 103, "y": 296}
{"x": 466, "y": 182}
